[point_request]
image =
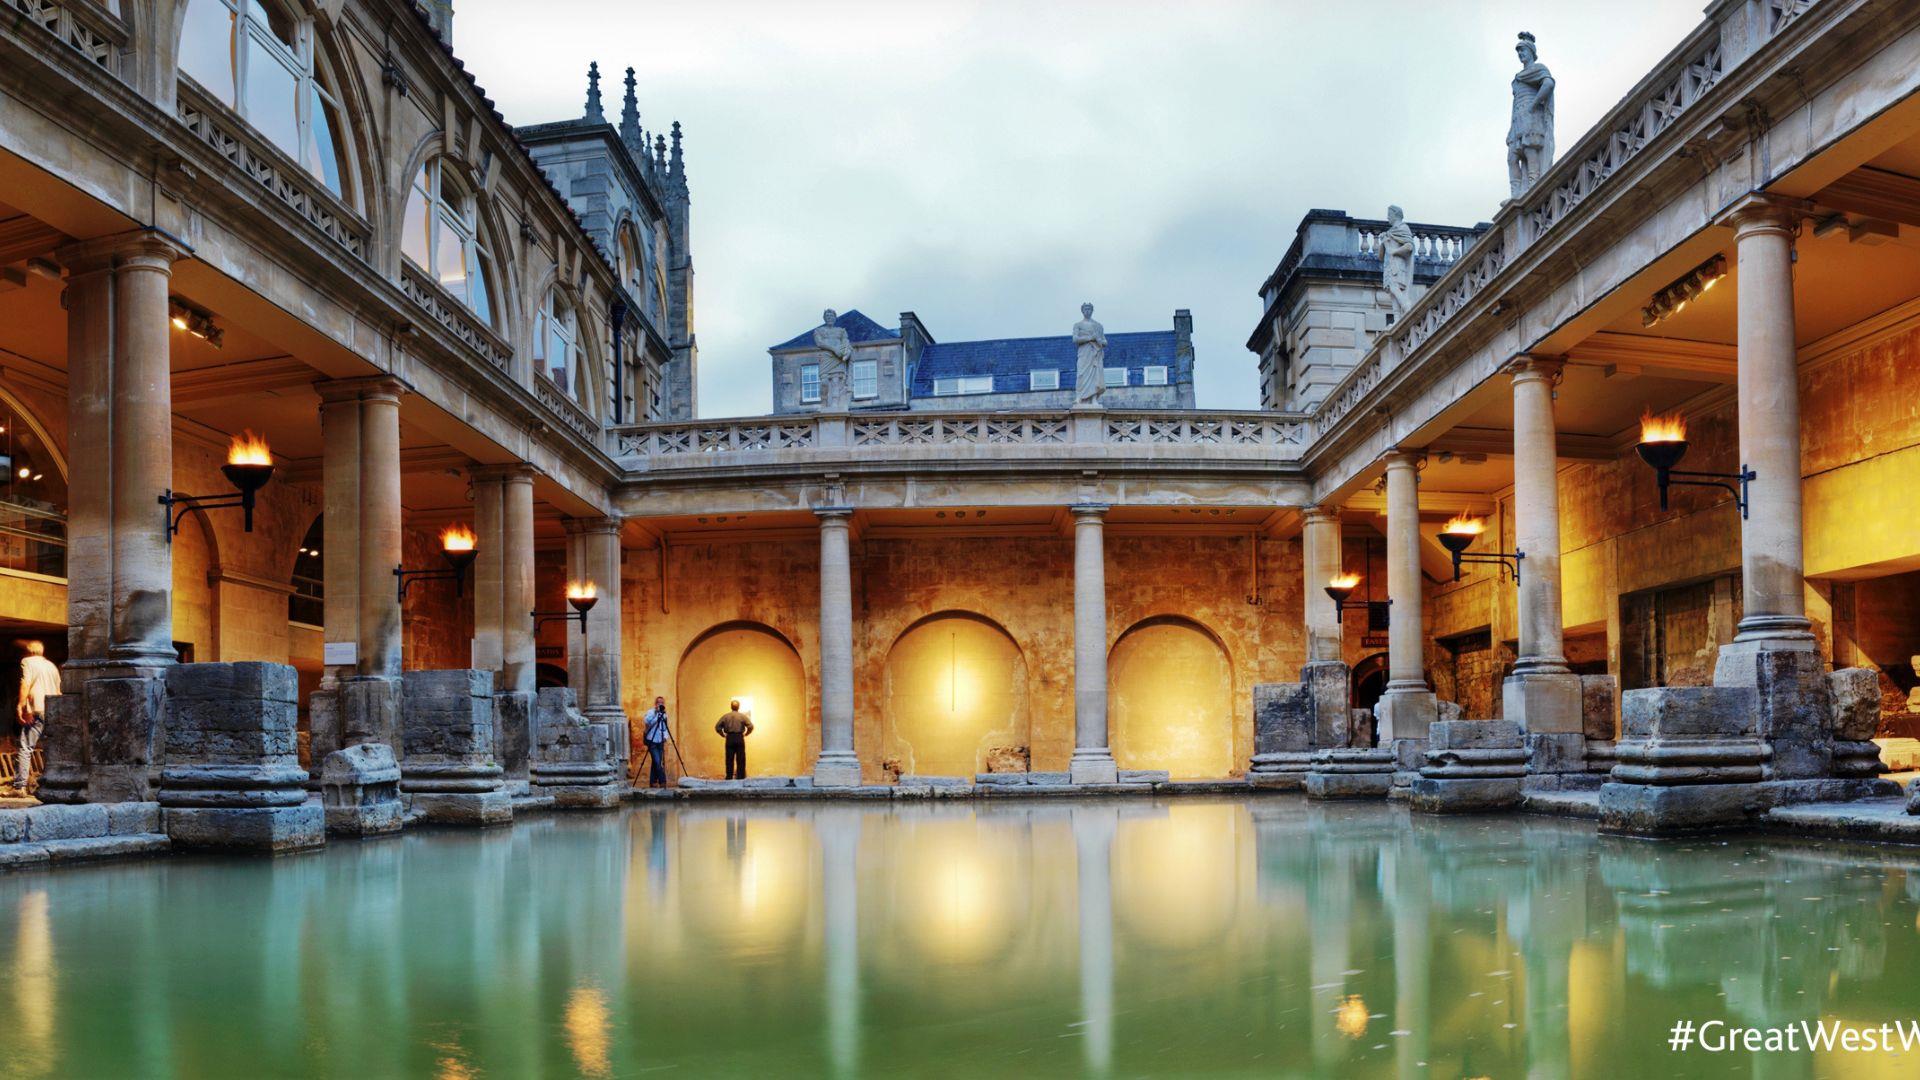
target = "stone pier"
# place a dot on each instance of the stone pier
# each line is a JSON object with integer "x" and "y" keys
{"x": 447, "y": 770}
{"x": 1471, "y": 765}
{"x": 572, "y": 759}
{"x": 232, "y": 779}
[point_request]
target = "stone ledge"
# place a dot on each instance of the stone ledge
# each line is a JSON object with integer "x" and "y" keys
{"x": 81, "y": 849}
{"x": 1885, "y": 819}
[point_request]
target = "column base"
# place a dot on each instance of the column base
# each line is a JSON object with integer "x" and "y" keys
{"x": 360, "y": 791}
{"x": 836, "y": 769}
{"x": 258, "y": 830}
{"x": 470, "y": 808}
{"x": 1471, "y": 766}
{"x": 1737, "y": 663}
{"x": 1405, "y": 714}
{"x": 1093, "y": 765}
{"x": 1358, "y": 772}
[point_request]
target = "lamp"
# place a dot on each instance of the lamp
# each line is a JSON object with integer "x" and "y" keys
{"x": 1342, "y": 587}
{"x": 457, "y": 546}
{"x": 1458, "y": 536}
{"x": 1663, "y": 442}
{"x": 1674, "y": 299}
{"x": 581, "y": 596}
{"x": 249, "y": 466}
{"x": 194, "y": 320}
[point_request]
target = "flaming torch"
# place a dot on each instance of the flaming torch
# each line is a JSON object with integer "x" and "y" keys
{"x": 458, "y": 545}
{"x": 1341, "y": 587}
{"x": 1458, "y": 535}
{"x": 1663, "y": 442}
{"x": 249, "y": 466}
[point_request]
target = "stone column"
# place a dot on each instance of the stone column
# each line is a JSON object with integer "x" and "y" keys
{"x": 120, "y": 566}
{"x": 1092, "y": 758}
{"x": 1774, "y": 616}
{"x": 1541, "y": 695}
{"x": 593, "y": 554}
{"x": 838, "y": 765}
{"x": 1407, "y": 707}
{"x": 1320, "y": 563}
{"x": 360, "y": 470}
{"x": 503, "y": 603}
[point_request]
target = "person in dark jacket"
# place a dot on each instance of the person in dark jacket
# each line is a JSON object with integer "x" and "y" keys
{"x": 735, "y": 727}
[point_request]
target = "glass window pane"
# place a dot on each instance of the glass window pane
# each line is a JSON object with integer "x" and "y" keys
{"x": 866, "y": 379}
{"x": 810, "y": 382}
{"x": 207, "y": 48}
{"x": 274, "y": 22}
{"x": 450, "y": 256}
{"x": 272, "y": 103}
{"x": 414, "y": 235}
{"x": 482, "y": 301}
{"x": 323, "y": 153}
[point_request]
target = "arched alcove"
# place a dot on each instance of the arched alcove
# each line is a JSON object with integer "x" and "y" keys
{"x": 1169, "y": 699}
{"x": 758, "y": 666}
{"x": 956, "y": 690}
{"x": 196, "y": 608}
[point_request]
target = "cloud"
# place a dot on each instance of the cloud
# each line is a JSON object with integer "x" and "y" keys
{"x": 989, "y": 165}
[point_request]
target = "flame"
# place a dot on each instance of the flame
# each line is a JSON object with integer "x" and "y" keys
{"x": 249, "y": 449}
{"x": 577, "y": 590}
{"x": 1344, "y": 581}
{"x": 457, "y": 538}
{"x": 1462, "y": 525}
{"x": 1671, "y": 428}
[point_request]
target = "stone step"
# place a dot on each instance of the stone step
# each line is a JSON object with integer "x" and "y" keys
{"x": 82, "y": 849}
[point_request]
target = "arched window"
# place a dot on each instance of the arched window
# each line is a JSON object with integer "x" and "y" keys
{"x": 557, "y": 343}
{"x": 441, "y": 234}
{"x": 658, "y": 299}
{"x": 632, "y": 266}
{"x": 259, "y": 62}
{"x": 33, "y": 500}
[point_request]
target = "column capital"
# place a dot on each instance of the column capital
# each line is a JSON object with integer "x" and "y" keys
{"x": 1529, "y": 368}
{"x": 147, "y": 245}
{"x": 1405, "y": 459}
{"x": 1319, "y": 512}
{"x": 365, "y": 388}
{"x": 1759, "y": 212}
{"x": 515, "y": 472}
{"x": 833, "y": 515}
{"x": 1089, "y": 511}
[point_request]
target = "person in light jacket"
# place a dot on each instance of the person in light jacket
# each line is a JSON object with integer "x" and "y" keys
{"x": 654, "y": 731}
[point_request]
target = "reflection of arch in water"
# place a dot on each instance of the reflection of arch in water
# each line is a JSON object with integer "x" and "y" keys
{"x": 1178, "y": 877}
{"x": 956, "y": 687}
{"x": 961, "y": 890}
{"x": 758, "y": 665}
{"x": 1170, "y": 689}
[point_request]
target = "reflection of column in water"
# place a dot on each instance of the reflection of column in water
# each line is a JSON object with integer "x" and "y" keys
{"x": 1329, "y": 906}
{"x": 1411, "y": 890}
{"x": 839, "y": 832}
{"x": 30, "y": 1040}
{"x": 1093, "y": 829}
{"x": 656, "y": 854}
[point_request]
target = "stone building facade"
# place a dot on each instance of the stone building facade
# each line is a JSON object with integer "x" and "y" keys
{"x": 905, "y": 368}
{"x": 908, "y": 591}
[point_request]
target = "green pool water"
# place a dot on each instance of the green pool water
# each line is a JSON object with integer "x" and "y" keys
{"x": 1264, "y": 937}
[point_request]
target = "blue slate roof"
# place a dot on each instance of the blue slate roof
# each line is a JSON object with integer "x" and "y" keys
{"x": 859, "y": 328}
{"x": 1009, "y": 360}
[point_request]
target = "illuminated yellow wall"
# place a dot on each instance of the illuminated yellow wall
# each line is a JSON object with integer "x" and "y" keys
{"x": 762, "y": 670}
{"x": 1169, "y": 688}
{"x": 193, "y": 608}
{"x": 955, "y": 686}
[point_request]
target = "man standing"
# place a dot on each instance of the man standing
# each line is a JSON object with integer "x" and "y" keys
{"x": 39, "y": 680}
{"x": 654, "y": 731}
{"x": 735, "y": 727}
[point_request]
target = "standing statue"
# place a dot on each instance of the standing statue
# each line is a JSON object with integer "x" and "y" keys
{"x": 1090, "y": 375}
{"x": 832, "y": 340}
{"x": 1530, "y": 137}
{"x": 1396, "y": 260}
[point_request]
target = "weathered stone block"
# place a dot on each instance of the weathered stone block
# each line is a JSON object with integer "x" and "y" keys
{"x": 1598, "y": 693}
{"x": 1913, "y": 796}
{"x": 46, "y": 823}
{"x": 572, "y": 759}
{"x": 1328, "y": 685}
{"x": 447, "y": 767}
{"x": 102, "y": 737}
{"x": 1690, "y": 711}
{"x": 128, "y": 819}
{"x": 1473, "y": 735}
{"x": 13, "y": 826}
{"x": 1853, "y": 696}
{"x": 1431, "y": 795}
{"x": 232, "y": 778}
{"x": 1544, "y": 702}
{"x": 1647, "y": 809}
{"x": 1351, "y": 773}
{"x": 1144, "y": 776}
{"x": 1093, "y": 767}
{"x": 1283, "y": 719}
{"x": 513, "y": 732}
{"x": 483, "y": 809}
{"x": 1556, "y": 752}
{"x": 1405, "y": 714}
{"x": 360, "y": 791}
{"x": 1447, "y": 711}
{"x": 258, "y": 830}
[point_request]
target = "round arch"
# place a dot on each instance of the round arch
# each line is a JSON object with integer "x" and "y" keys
{"x": 954, "y": 696}
{"x": 1169, "y": 698}
{"x": 1368, "y": 681}
{"x": 758, "y": 666}
{"x": 196, "y": 603}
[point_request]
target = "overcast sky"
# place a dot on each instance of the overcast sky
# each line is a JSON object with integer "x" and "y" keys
{"x": 991, "y": 164}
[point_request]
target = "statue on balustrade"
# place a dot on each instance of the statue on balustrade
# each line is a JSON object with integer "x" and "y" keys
{"x": 1396, "y": 247}
{"x": 1530, "y": 137}
{"x": 832, "y": 339}
{"x": 1090, "y": 375}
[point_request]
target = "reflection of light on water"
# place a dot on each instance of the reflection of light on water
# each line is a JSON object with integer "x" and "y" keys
{"x": 962, "y": 892}
{"x": 1350, "y": 1019}
{"x": 588, "y": 1034}
{"x": 747, "y": 881}
{"x": 28, "y": 1046}
{"x": 1176, "y": 878}
{"x": 449, "y": 1065}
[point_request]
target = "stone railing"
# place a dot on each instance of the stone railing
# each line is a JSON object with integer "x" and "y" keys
{"x": 232, "y": 139}
{"x": 1440, "y": 246}
{"x": 568, "y": 410}
{"x": 1261, "y": 435}
{"x": 92, "y": 32}
{"x": 455, "y": 316}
